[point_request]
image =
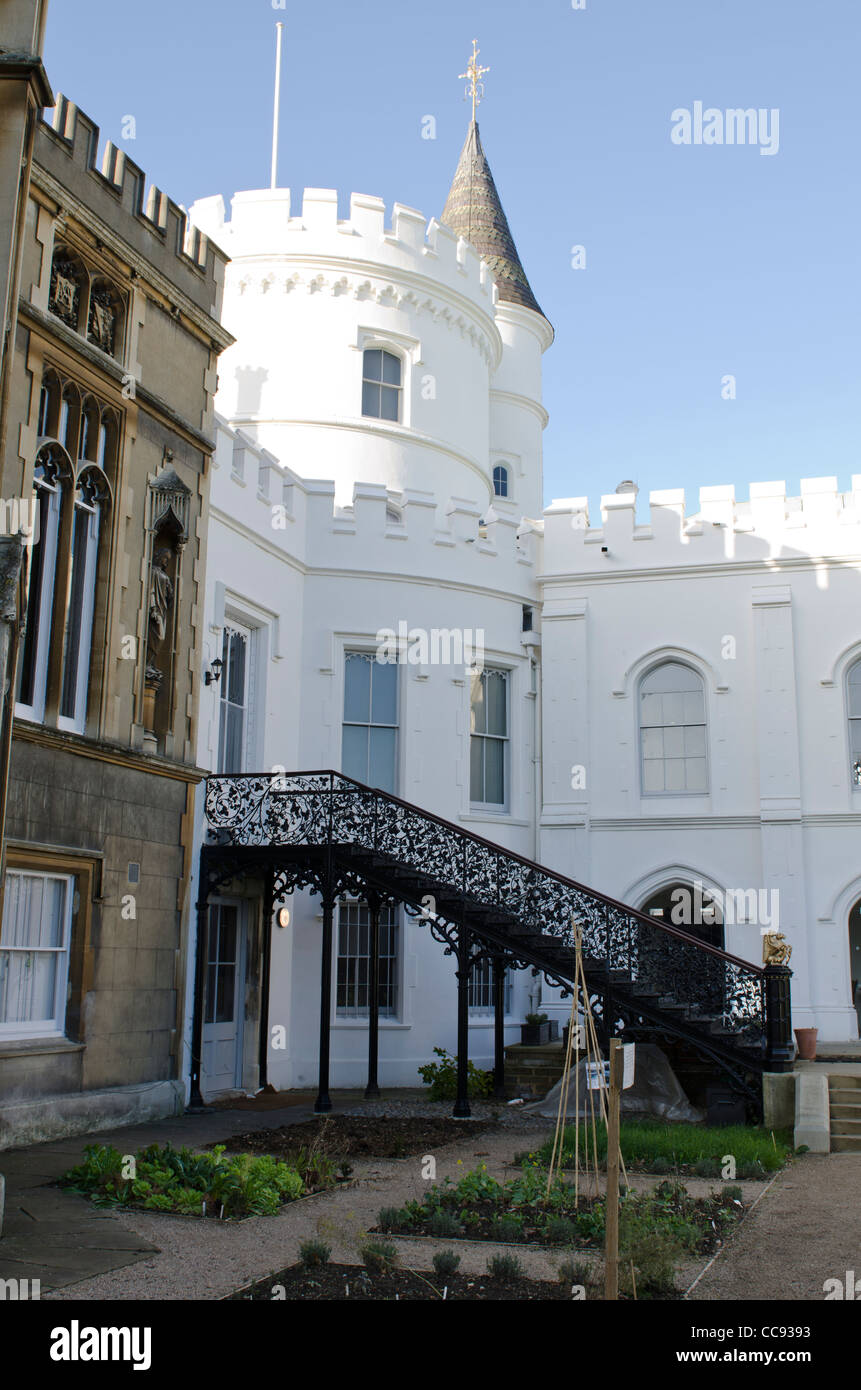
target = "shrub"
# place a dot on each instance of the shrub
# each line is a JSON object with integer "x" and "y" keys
{"x": 445, "y": 1263}
{"x": 378, "y": 1256}
{"x": 442, "y": 1223}
{"x": 534, "y": 1019}
{"x": 707, "y": 1168}
{"x": 732, "y": 1193}
{"x": 559, "y": 1230}
{"x": 313, "y": 1254}
{"x": 507, "y": 1228}
{"x": 504, "y": 1267}
{"x": 389, "y": 1218}
{"x": 574, "y": 1272}
{"x": 441, "y": 1076}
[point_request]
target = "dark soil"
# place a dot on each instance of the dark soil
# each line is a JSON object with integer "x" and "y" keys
{"x": 339, "y": 1283}
{"x": 359, "y": 1136}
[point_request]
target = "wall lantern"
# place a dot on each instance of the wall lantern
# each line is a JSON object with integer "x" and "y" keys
{"x": 284, "y": 917}
{"x": 213, "y": 675}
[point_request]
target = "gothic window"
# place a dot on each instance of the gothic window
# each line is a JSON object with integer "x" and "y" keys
{"x": 672, "y": 731}
{"x": 488, "y": 751}
{"x": 500, "y": 481}
{"x": 68, "y": 290}
{"x": 234, "y": 725}
{"x": 90, "y": 497}
{"x": 354, "y": 960}
{"x": 853, "y": 692}
{"x": 34, "y": 953}
{"x": 381, "y": 385}
{"x": 370, "y": 729}
{"x": 51, "y": 465}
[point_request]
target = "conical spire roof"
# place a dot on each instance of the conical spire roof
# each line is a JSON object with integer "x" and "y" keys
{"x": 473, "y": 210}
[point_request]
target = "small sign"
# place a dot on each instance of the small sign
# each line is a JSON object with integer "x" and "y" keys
{"x": 597, "y": 1076}
{"x": 627, "y": 1065}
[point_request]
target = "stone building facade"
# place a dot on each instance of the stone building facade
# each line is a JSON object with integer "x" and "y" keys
{"x": 107, "y": 463}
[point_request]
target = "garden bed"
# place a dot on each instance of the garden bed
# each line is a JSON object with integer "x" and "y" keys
{"x": 342, "y": 1283}
{"x": 521, "y": 1211}
{"x": 359, "y": 1136}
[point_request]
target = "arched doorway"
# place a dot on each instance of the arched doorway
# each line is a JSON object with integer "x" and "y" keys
{"x": 689, "y": 907}
{"x": 855, "y": 959}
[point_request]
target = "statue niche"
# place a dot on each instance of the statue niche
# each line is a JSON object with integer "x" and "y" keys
{"x": 159, "y": 633}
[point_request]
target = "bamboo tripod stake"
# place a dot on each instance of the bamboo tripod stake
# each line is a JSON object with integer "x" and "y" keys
{"x": 611, "y": 1244}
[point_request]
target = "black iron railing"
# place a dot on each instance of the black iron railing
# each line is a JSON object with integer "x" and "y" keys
{"x": 655, "y": 958}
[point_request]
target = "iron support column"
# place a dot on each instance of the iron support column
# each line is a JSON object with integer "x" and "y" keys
{"x": 499, "y": 1027}
{"x": 265, "y": 973}
{"x": 195, "y": 1100}
{"x": 372, "y": 1089}
{"x": 779, "y": 1051}
{"x": 323, "y": 1104}
{"x": 464, "y": 964}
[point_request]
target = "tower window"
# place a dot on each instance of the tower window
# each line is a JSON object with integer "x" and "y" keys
{"x": 381, "y": 385}
{"x": 500, "y": 481}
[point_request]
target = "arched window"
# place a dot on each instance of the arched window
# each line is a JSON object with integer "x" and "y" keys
{"x": 51, "y": 468}
{"x": 853, "y": 701}
{"x": 90, "y": 497}
{"x": 500, "y": 481}
{"x": 672, "y": 731}
{"x": 381, "y": 384}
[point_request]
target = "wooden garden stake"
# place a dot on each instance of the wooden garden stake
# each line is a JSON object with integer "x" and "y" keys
{"x": 611, "y": 1239}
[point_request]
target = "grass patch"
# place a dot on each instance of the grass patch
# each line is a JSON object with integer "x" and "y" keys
{"x": 162, "y": 1178}
{"x": 696, "y": 1150}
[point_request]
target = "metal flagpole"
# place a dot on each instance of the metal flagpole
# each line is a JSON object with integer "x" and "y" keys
{"x": 279, "y": 27}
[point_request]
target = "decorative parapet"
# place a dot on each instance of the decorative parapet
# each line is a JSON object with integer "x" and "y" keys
{"x": 820, "y": 523}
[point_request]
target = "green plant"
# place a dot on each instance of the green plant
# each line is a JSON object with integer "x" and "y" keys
{"x": 558, "y": 1230}
{"x": 574, "y": 1272}
{"x": 313, "y": 1254}
{"x": 535, "y": 1019}
{"x": 445, "y": 1263}
{"x": 389, "y": 1218}
{"x": 670, "y": 1147}
{"x": 505, "y": 1267}
{"x": 441, "y": 1076}
{"x": 507, "y": 1228}
{"x": 732, "y": 1193}
{"x": 378, "y": 1256}
{"x": 442, "y": 1223}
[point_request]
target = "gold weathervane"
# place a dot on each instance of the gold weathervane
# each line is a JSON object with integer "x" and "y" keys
{"x": 473, "y": 75}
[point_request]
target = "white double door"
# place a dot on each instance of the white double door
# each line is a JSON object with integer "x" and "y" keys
{"x": 224, "y": 1015}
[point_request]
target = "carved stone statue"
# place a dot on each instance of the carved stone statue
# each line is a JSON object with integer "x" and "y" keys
{"x": 160, "y": 600}
{"x": 776, "y": 950}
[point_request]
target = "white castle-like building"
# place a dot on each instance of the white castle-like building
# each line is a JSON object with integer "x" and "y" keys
{"x": 662, "y": 706}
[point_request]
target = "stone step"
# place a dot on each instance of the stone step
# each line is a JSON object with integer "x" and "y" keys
{"x": 839, "y": 1082}
{"x": 846, "y": 1144}
{"x": 839, "y": 1111}
{"x": 846, "y": 1127}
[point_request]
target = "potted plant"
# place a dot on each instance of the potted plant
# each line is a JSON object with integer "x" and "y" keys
{"x": 805, "y": 1039}
{"x": 538, "y": 1030}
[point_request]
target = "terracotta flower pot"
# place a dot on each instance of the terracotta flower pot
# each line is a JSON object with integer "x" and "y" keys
{"x": 806, "y": 1040}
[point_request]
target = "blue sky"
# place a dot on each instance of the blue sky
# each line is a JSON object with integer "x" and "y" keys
{"x": 701, "y": 260}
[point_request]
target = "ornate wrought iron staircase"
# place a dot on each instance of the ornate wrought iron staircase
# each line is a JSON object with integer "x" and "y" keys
{"x": 648, "y": 979}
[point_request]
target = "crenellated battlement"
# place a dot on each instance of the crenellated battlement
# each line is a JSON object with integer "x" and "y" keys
{"x": 265, "y": 235}
{"x": 821, "y": 521}
{"x": 68, "y": 129}
{"x": 379, "y": 529}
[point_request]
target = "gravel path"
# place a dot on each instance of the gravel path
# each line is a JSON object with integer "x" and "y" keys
{"x": 806, "y": 1229}
{"x": 198, "y": 1260}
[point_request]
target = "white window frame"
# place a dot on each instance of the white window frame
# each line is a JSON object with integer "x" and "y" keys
{"x": 503, "y": 496}
{"x": 479, "y": 1011}
{"x": 339, "y": 1013}
{"x": 353, "y": 649}
{"x": 494, "y": 808}
{"x": 672, "y": 661}
{"x": 249, "y": 729}
{"x": 56, "y": 1026}
{"x": 398, "y": 357}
